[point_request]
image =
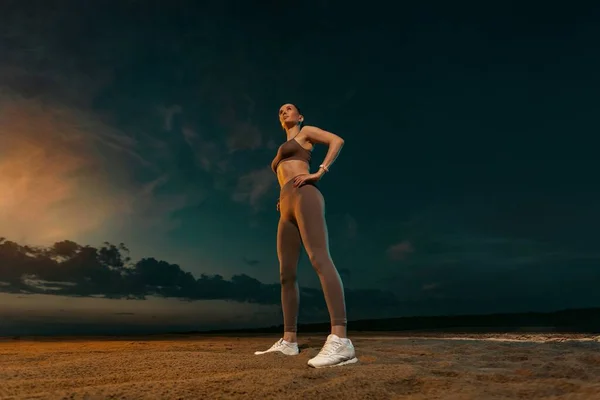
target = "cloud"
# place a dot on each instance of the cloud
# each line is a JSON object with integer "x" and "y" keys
{"x": 208, "y": 154}
{"x": 168, "y": 113}
{"x": 189, "y": 135}
{"x": 149, "y": 188}
{"x": 66, "y": 270}
{"x": 52, "y": 171}
{"x": 76, "y": 165}
{"x": 244, "y": 136}
{"x": 351, "y": 226}
{"x": 459, "y": 262}
{"x": 254, "y": 186}
{"x": 463, "y": 248}
{"x": 69, "y": 269}
{"x": 250, "y": 261}
{"x": 152, "y": 210}
{"x": 430, "y": 286}
{"x": 400, "y": 251}
{"x": 236, "y": 118}
{"x": 345, "y": 273}
{"x": 65, "y": 172}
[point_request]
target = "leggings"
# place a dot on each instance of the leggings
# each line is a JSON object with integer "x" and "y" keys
{"x": 302, "y": 221}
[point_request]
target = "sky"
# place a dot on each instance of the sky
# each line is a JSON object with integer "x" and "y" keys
{"x": 467, "y": 182}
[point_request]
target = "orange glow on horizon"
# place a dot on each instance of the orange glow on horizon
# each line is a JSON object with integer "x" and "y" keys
{"x": 51, "y": 186}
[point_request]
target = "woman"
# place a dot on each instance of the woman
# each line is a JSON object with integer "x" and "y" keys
{"x": 302, "y": 220}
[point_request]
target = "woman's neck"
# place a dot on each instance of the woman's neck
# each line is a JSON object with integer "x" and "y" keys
{"x": 292, "y": 132}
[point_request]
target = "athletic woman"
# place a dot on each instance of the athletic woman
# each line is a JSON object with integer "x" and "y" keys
{"x": 302, "y": 221}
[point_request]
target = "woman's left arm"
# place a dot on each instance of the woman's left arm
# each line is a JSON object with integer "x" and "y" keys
{"x": 333, "y": 141}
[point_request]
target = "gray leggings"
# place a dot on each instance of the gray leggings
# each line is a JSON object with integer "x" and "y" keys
{"x": 302, "y": 221}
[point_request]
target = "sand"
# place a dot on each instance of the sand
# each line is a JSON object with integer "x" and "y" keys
{"x": 400, "y": 366}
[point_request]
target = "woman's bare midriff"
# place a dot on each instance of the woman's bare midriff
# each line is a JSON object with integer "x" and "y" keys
{"x": 290, "y": 169}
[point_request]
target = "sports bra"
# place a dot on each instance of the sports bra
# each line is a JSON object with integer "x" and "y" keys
{"x": 290, "y": 150}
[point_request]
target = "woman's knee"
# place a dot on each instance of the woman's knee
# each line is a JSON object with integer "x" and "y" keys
{"x": 320, "y": 261}
{"x": 287, "y": 276}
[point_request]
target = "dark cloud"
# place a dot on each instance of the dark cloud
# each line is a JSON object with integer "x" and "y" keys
{"x": 250, "y": 261}
{"x": 253, "y": 187}
{"x": 345, "y": 273}
{"x": 443, "y": 257}
{"x": 69, "y": 269}
{"x": 351, "y": 230}
{"x": 399, "y": 251}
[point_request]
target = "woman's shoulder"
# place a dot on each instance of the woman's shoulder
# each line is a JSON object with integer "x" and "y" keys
{"x": 309, "y": 128}
{"x": 308, "y": 131}
{"x": 304, "y": 139}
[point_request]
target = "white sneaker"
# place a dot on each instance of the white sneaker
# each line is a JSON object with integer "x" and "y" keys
{"x": 285, "y": 347}
{"x": 335, "y": 352}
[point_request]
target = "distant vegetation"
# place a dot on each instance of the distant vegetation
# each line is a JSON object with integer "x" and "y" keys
{"x": 573, "y": 321}
{"x": 70, "y": 269}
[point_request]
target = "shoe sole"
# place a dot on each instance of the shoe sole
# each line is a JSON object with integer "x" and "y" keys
{"x": 351, "y": 361}
{"x": 268, "y": 352}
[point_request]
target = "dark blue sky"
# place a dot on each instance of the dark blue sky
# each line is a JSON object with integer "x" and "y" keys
{"x": 468, "y": 178}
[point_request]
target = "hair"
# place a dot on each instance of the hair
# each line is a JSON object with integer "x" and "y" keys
{"x": 299, "y": 113}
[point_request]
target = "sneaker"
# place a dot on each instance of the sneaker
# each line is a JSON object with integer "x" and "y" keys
{"x": 287, "y": 348}
{"x": 334, "y": 353}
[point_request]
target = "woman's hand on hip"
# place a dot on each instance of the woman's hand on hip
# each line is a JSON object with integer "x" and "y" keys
{"x": 306, "y": 178}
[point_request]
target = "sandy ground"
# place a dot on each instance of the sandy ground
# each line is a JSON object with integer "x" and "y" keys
{"x": 401, "y": 366}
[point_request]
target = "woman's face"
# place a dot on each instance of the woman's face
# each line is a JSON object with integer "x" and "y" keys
{"x": 289, "y": 116}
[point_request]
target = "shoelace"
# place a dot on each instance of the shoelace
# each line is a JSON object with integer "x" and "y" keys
{"x": 330, "y": 348}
